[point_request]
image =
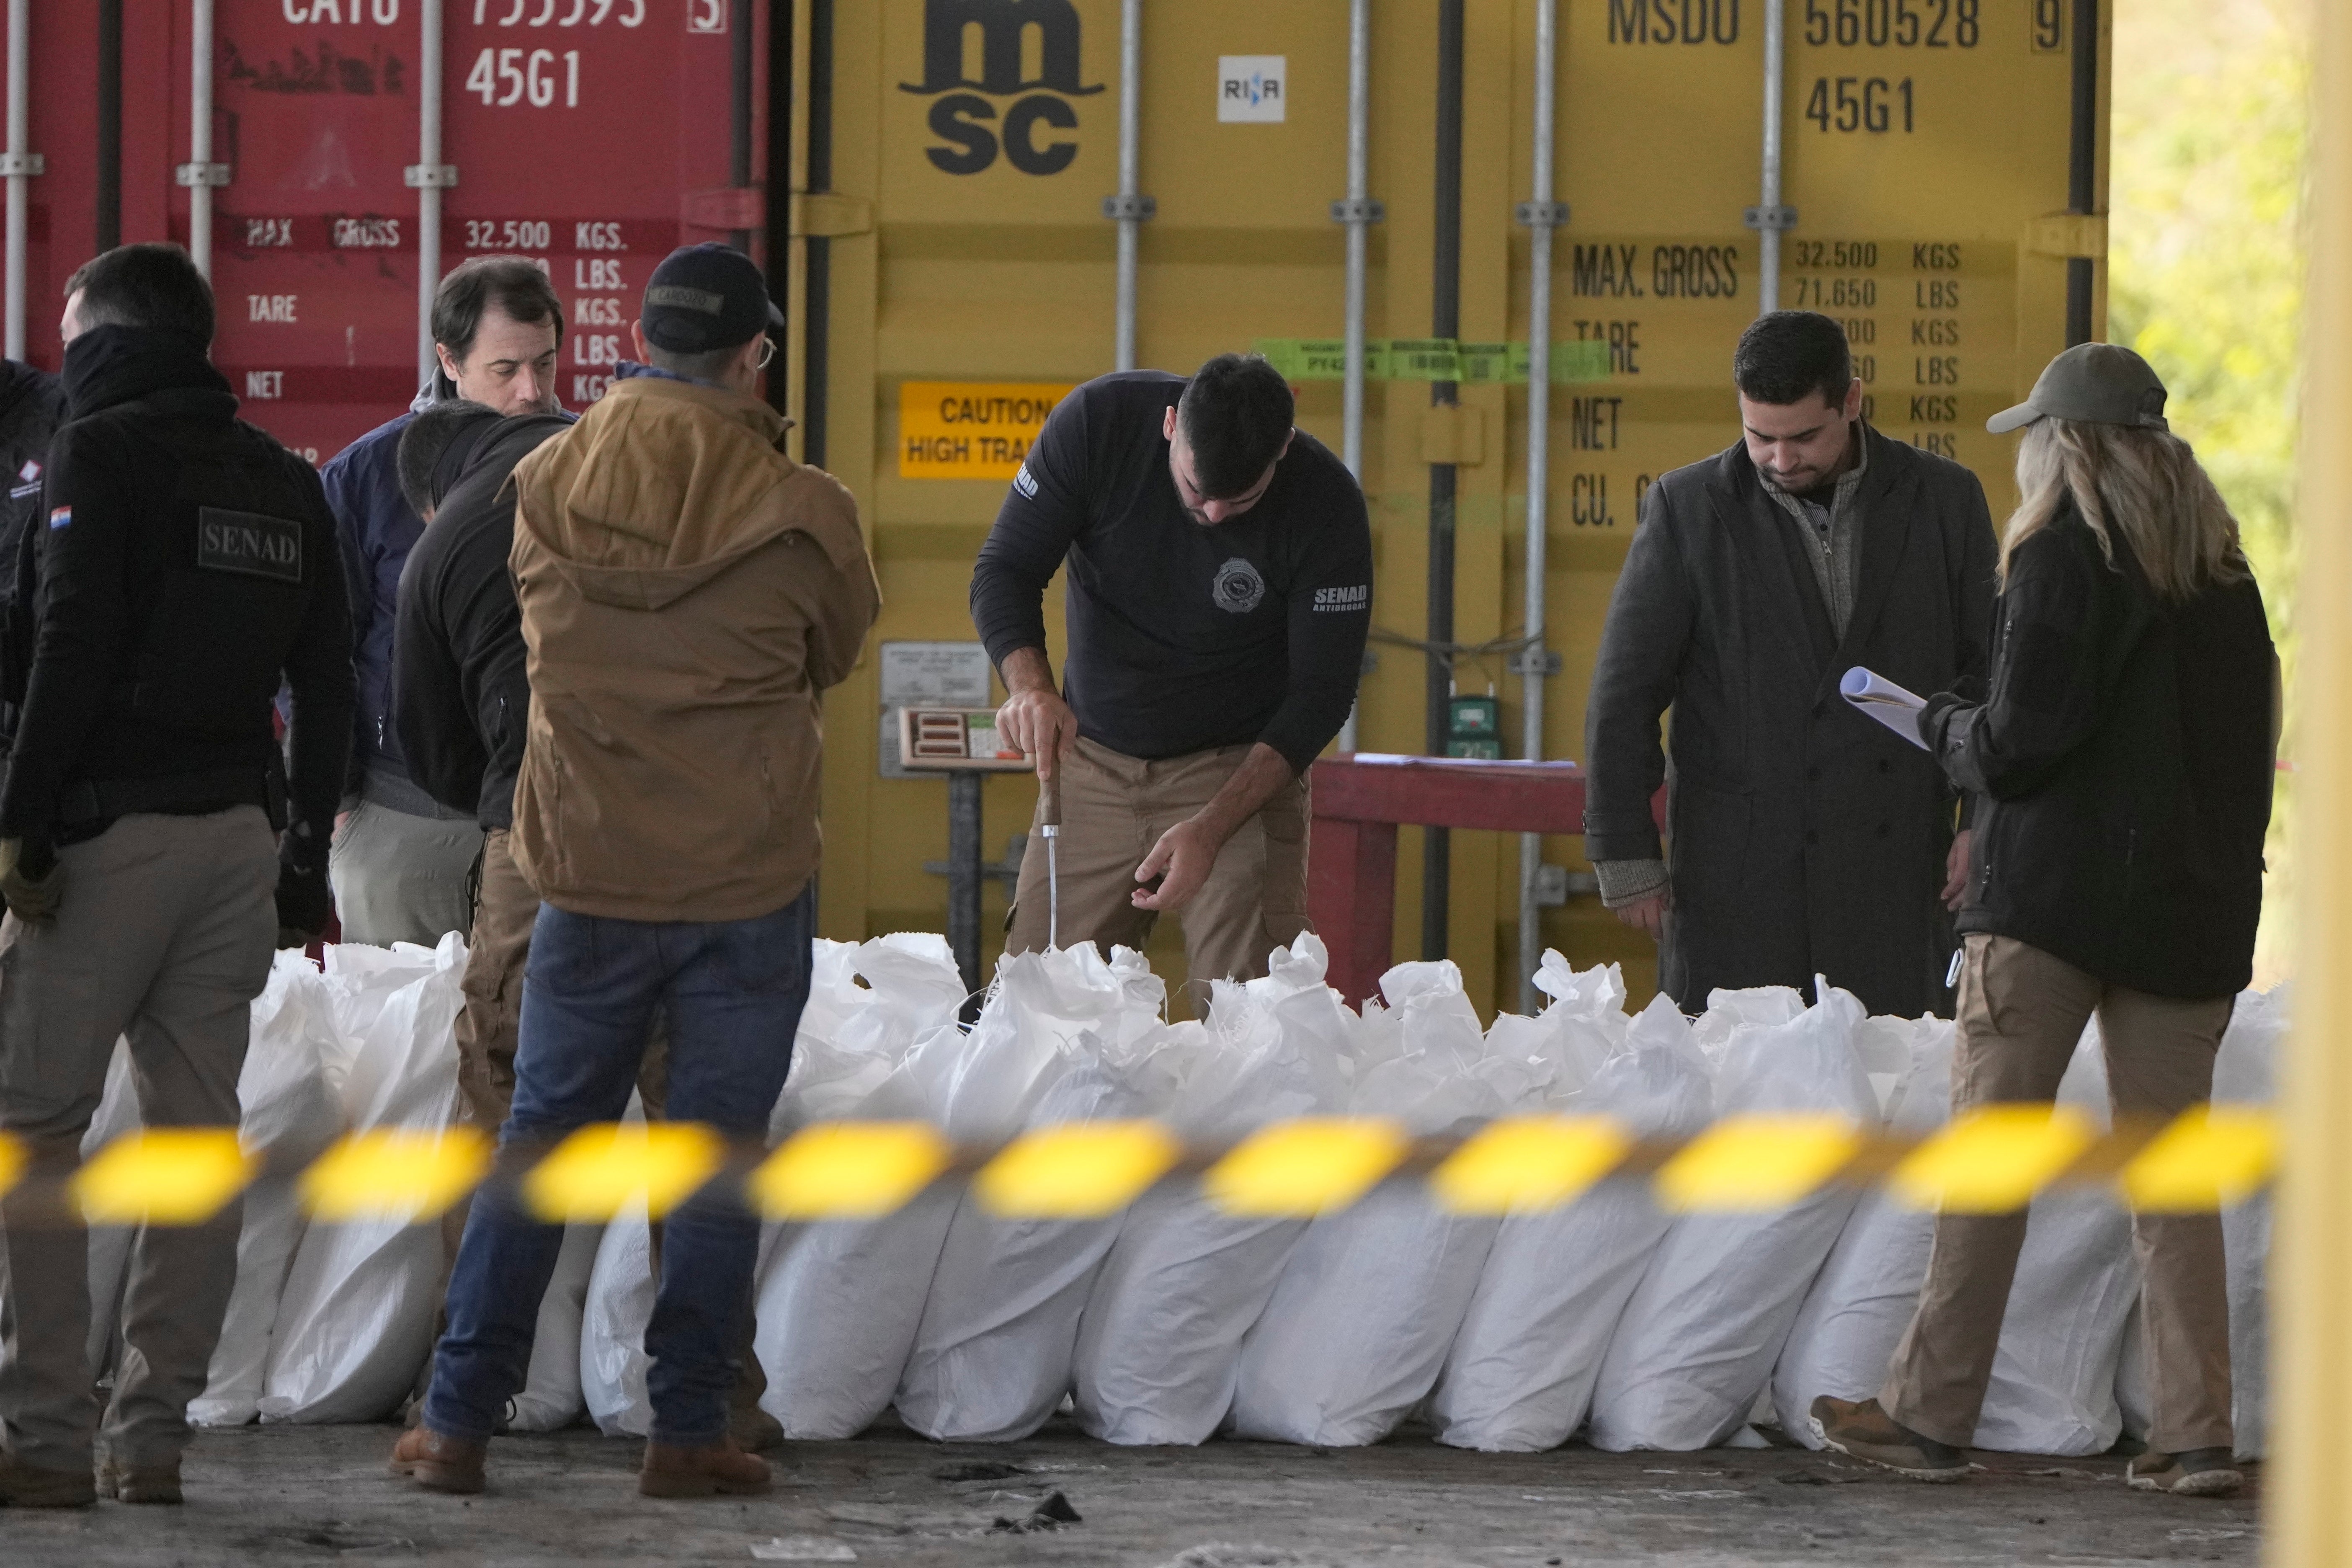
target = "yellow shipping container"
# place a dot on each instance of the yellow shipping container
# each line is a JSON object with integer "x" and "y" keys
{"x": 955, "y": 271}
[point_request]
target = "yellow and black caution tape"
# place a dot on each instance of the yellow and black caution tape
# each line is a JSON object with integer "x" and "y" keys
{"x": 1991, "y": 1160}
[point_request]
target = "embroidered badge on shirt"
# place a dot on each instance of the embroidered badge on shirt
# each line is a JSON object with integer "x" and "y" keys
{"x": 1238, "y": 587}
{"x": 31, "y": 470}
{"x": 61, "y": 517}
{"x": 1024, "y": 482}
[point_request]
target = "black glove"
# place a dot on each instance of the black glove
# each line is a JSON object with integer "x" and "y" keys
{"x": 304, "y": 903}
{"x": 31, "y": 880}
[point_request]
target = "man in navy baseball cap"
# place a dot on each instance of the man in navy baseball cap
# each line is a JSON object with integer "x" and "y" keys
{"x": 705, "y": 298}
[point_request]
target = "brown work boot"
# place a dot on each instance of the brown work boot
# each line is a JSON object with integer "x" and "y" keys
{"x": 754, "y": 1429}
{"x": 1864, "y": 1431}
{"x": 140, "y": 1483}
{"x": 2200, "y": 1472}
{"x": 32, "y": 1485}
{"x": 439, "y": 1463}
{"x": 712, "y": 1471}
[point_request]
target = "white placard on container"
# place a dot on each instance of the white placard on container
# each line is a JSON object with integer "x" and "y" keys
{"x": 1250, "y": 89}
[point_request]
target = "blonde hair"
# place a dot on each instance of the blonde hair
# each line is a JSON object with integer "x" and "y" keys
{"x": 2143, "y": 483}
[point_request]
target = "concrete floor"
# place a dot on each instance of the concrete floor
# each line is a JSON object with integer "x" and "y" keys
{"x": 284, "y": 1495}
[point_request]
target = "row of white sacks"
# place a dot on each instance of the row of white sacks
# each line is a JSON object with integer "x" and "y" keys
{"x": 1172, "y": 1323}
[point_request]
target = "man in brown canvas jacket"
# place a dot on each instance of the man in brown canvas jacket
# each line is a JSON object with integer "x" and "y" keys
{"x": 687, "y": 591}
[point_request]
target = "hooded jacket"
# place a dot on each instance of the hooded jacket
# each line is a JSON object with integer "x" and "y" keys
{"x": 460, "y": 697}
{"x": 2123, "y": 767}
{"x": 687, "y": 591}
{"x": 187, "y": 566}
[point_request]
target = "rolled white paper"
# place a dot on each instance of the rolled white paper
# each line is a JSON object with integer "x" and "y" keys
{"x": 1884, "y": 701}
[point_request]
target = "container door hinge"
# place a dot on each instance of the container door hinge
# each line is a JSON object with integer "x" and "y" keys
{"x": 193, "y": 174}
{"x": 429, "y": 176}
{"x": 824, "y": 215}
{"x": 2068, "y": 235}
{"x": 15, "y": 164}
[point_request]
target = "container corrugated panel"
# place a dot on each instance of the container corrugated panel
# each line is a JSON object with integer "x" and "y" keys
{"x": 967, "y": 145}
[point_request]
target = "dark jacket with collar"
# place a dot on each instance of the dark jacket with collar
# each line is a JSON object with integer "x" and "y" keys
{"x": 2124, "y": 762}
{"x": 1805, "y": 837}
{"x": 375, "y": 529}
{"x": 187, "y": 566}
{"x": 461, "y": 694}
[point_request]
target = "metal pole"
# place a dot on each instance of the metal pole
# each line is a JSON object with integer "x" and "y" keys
{"x": 1129, "y": 208}
{"x": 1770, "y": 217}
{"x": 2310, "y": 1508}
{"x": 1357, "y": 215}
{"x": 1540, "y": 215}
{"x": 198, "y": 174}
{"x": 427, "y": 181}
{"x": 963, "y": 874}
{"x": 1445, "y": 322}
{"x": 2083, "y": 163}
{"x": 1357, "y": 212}
{"x": 19, "y": 166}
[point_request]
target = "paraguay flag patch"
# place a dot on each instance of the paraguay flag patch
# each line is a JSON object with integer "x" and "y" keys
{"x": 61, "y": 517}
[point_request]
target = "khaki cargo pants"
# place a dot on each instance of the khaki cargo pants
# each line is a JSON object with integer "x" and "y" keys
{"x": 164, "y": 937}
{"x": 2021, "y": 1012}
{"x": 1114, "y": 809}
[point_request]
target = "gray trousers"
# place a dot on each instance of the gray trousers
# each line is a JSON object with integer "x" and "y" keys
{"x": 399, "y": 877}
{"x": 164, "y": 937}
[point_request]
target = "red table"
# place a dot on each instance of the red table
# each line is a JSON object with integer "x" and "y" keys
{"x": 1359, "y": 799}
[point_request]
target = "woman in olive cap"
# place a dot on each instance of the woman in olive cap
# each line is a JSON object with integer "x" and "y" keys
{"x": 2121, "y": 774}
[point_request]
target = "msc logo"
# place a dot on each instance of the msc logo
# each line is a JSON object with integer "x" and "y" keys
{"x": 962, "y": 117}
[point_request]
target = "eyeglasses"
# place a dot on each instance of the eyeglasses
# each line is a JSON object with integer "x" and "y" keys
{"x": 767, "y": 352}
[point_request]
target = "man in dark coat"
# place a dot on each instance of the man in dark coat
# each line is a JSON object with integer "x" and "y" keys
{"x": 1806, "y": 840}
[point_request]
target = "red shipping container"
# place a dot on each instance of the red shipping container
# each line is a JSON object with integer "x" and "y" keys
{"x": 590, "y": 135}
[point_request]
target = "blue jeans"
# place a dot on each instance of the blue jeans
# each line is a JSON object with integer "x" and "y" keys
{"x": 732, "y": 992}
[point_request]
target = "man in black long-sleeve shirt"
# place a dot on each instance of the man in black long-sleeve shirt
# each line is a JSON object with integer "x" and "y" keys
{"x": 186, "y": 566}
{"x": 1218, "y": 595}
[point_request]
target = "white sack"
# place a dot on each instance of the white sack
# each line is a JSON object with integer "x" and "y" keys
{"x": 992, "y": 1355}
{"x": 1863, "y": 1297}
{"x": 1159, "y": 1342}
{"x": 618, "y": 1305}
{"x": 839, "y": 1301}
{"x": 2054, "y": 1381}
{"x": 355, "y": 1321}
{"x": 1520, "y": 1373}
{"x": 292, "y": 1108}
{"x": 1357, "y": 1331}
{"x": 851, "y": 1037}
{"x": 1696, "y": 1344}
